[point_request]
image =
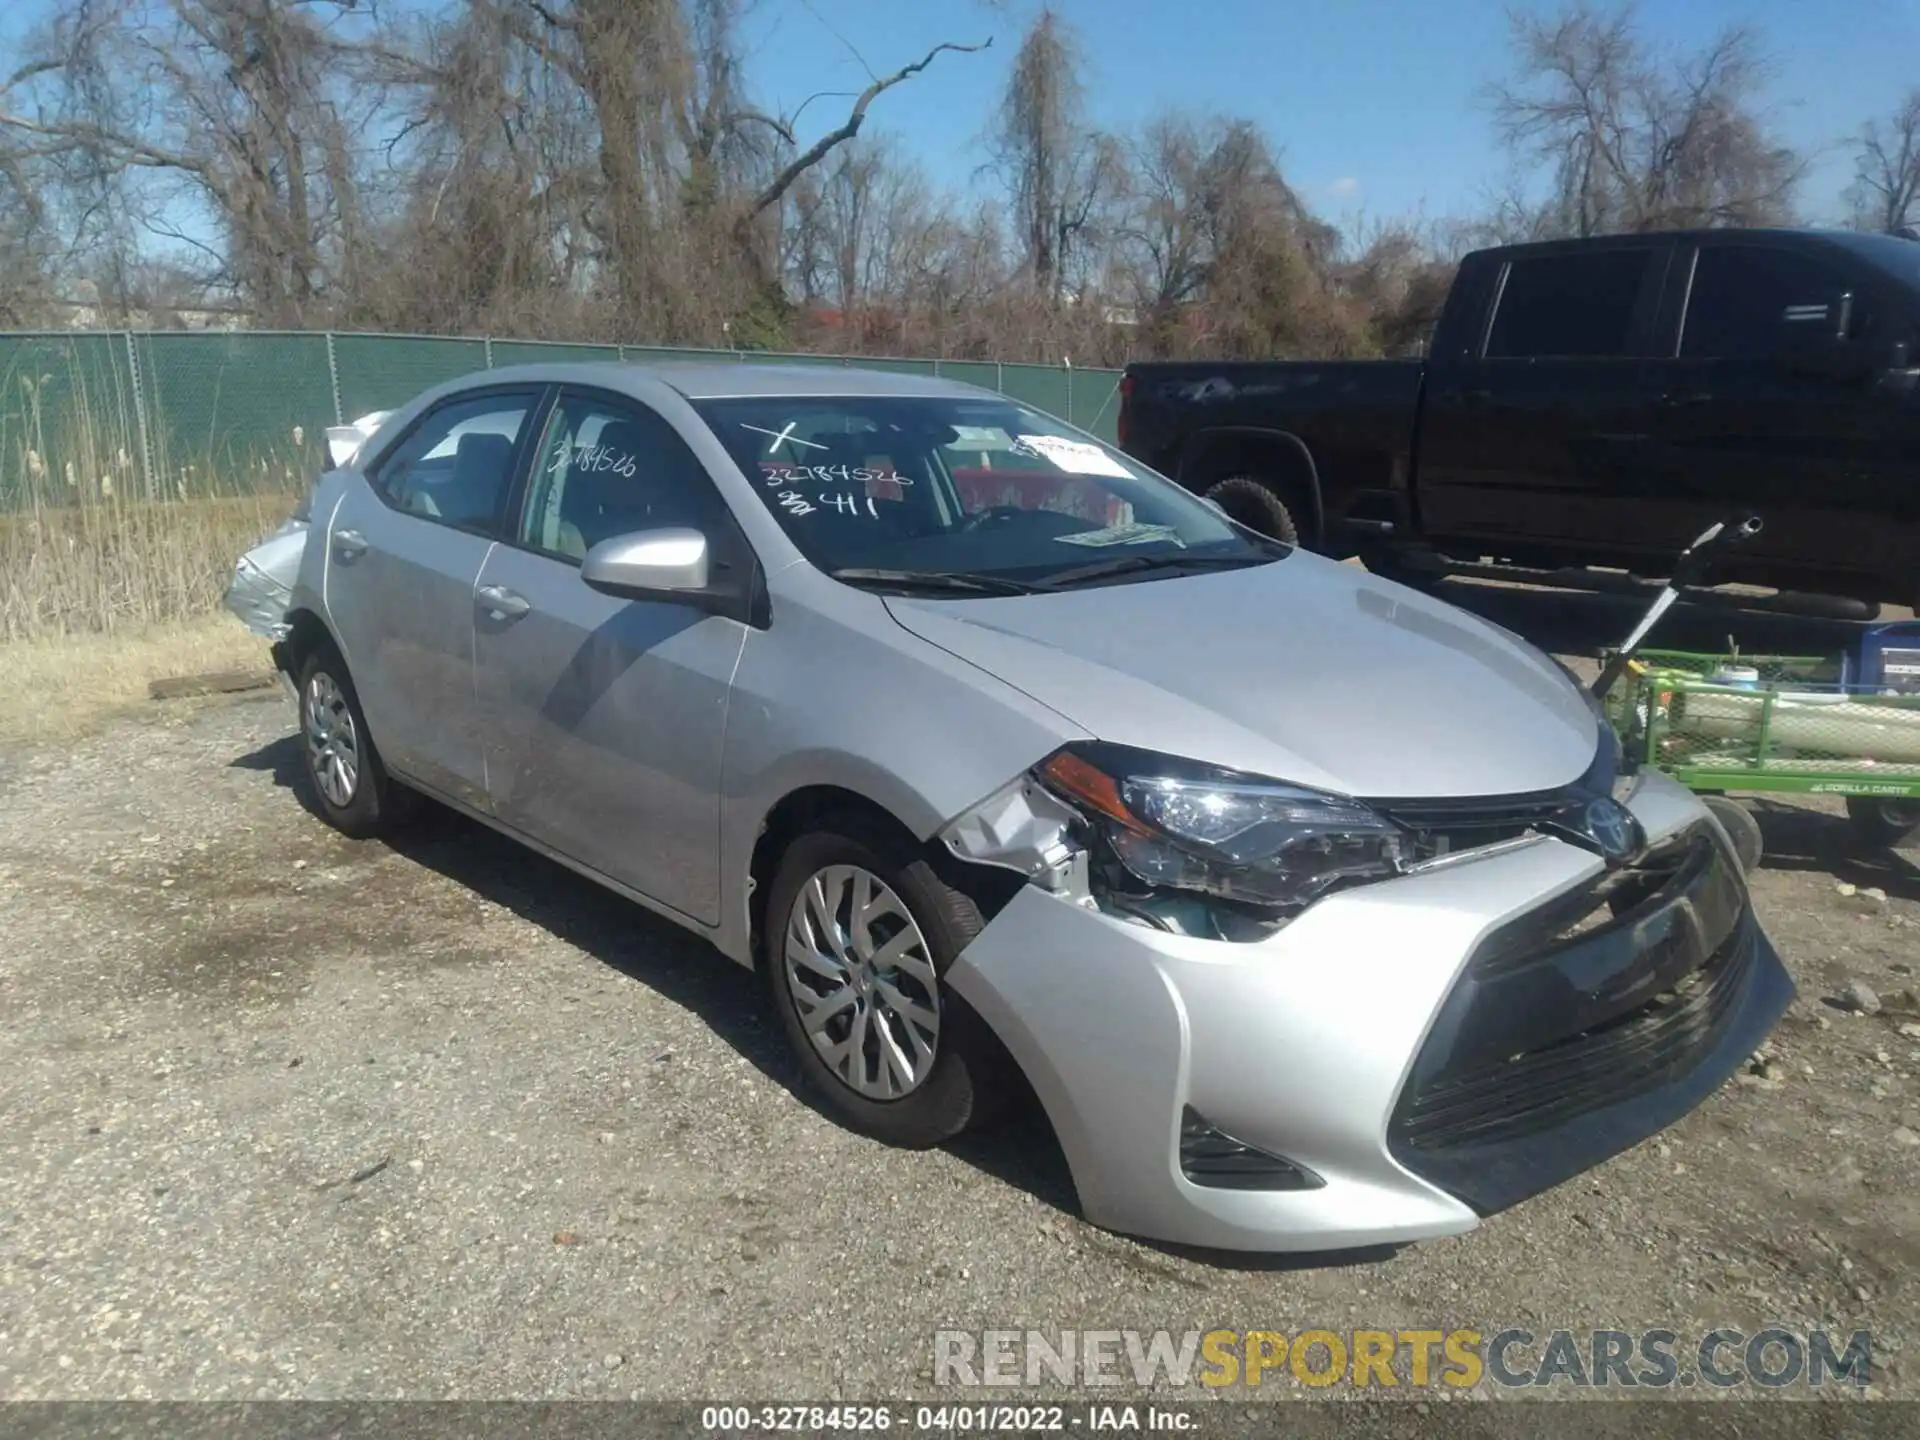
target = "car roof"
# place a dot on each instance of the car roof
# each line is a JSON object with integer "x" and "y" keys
{"x": 725, "y": 379}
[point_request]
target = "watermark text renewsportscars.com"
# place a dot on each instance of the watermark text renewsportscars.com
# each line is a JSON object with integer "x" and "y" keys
{"x": 1723, "y": 1358}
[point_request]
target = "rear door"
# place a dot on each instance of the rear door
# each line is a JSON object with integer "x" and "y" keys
{"x": 605, "y": 718}
{"x": 1740, "y": 427}
{"x": 404, "y": 549}
{"x": 1538, "y": 431}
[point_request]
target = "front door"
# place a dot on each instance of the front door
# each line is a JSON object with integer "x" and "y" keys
{"x": 605, "y": 718}
{"x": 404, "y": 549}
{"x": 1822, "y": 455}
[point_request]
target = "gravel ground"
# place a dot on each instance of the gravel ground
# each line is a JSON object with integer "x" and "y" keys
{"x": 289, "y": 1116}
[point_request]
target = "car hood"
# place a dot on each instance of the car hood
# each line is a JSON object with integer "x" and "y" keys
{"x": 1304, "y": 669}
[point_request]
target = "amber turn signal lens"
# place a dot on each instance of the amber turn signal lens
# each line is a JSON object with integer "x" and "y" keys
{"x": 1077, "y": 778}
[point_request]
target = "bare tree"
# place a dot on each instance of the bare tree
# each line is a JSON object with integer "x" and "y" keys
{"x": 1886, "y": 188}
{"x": 1056, "y": 169}
{"x": 234, "y": 106}
{"x": 1219, "y": 253}
{"x": 1634, "y": 141}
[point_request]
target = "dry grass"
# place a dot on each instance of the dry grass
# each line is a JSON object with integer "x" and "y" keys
{"x": 83, "y": 548}
{"x": 107, "y": 565}
{"x": 65, "y": 686}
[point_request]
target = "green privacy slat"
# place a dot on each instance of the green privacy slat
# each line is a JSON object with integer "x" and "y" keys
{"x": 232, "y": 412}
{"x": 384, "y": 372}
{"x": 983, "y": 373}
{"x": 1096, "y": 402}
{"x": 1041, "y": 386}
{"x": 541, "y": 352}
{"x": 68, "y": 417}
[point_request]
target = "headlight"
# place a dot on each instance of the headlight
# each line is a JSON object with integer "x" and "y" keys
{"x": 1180, "y": 825}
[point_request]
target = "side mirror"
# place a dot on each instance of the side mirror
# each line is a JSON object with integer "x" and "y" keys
{"x": 648, "y": 563}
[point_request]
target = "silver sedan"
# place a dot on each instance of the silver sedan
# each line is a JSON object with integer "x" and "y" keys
{"x": 1315, "y": 912}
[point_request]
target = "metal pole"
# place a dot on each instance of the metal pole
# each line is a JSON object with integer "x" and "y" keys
{"x": 488, "y": 342}
{"x": 333, "y": 379}
{"x": 140, "y": 417}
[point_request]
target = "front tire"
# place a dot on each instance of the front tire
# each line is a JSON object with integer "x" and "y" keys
{"x": 345, "y": 780}
{"x": 857, "y": 937}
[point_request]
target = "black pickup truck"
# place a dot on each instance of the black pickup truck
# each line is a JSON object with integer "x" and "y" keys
{"x": 1592, "y": 403}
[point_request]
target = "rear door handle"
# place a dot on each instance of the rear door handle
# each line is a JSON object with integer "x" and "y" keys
{"x": 1476, "y": 399}
{"x": 500, "y": 603}
{"x": 1675, "y": 399}
{"x": 348, "y": 546}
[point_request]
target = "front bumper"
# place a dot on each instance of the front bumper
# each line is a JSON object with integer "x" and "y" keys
{"x": 1431, "y": 1048}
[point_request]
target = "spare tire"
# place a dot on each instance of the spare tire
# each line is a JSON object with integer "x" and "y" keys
{"x": 1255, "y": 504}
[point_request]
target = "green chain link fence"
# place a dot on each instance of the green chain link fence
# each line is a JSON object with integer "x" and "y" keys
{"x": 167, "y": 413}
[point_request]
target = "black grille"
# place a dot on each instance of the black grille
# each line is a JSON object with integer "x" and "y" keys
{"x": 1539, "y": 1089}
{"x": 1587, "y": 1024}
{"x": 1447, "y": 825}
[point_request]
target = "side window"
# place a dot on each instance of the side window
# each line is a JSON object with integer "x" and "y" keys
{"x": 1748, "y": 300}
{"x": 455, "y": 465}
{"x": 608, "y": 467}
{"x": 1566, "y": 306}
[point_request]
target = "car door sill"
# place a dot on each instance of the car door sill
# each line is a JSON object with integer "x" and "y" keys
{"x": 520, "y": 837}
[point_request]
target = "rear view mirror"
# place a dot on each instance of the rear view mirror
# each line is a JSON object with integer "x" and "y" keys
{"x": 648, "y": 563}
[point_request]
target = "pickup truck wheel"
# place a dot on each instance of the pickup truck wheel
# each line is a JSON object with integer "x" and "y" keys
{"x": 1881, "y": 823}
{"x": 1252, "y": 502}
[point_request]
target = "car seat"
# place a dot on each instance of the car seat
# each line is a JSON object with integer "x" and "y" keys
{"x": 479, "y": 472}
{"x": 597, "y": 501}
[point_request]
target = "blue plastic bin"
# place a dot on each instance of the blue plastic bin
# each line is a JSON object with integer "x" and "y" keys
{"x": 1886, "y": 659}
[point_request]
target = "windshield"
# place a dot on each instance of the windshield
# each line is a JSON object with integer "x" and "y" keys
{"x": 953, "y": 485}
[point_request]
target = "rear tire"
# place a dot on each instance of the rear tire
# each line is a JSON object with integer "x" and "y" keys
{"x": 1882, "y": 824}
{"x": 858, "y": 935}
{"x": 1257, "y": 505}
{"x": 1741, "y": 827}
{"x": 344, "y": 777}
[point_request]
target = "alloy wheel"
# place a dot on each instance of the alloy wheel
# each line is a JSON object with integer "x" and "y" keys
{"x": 862, "y": 981}
{"x": 333, "y": 745}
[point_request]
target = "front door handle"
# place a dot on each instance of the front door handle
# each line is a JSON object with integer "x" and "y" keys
{"x": 348, "y": 546}
{"x": 1677, "y": 399}
{"x": 501, "y": 604}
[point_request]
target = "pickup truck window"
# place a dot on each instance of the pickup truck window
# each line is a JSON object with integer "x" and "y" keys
{"x": 1744, "y": 298}
{"x": 1566, "y": 306}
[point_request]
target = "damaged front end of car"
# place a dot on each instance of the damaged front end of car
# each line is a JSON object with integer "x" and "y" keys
{"x": 1179, "y": 847}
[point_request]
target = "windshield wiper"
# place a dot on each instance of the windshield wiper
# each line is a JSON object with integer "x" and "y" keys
{"x": 1132, "y": 564}
{"x": 944, "y": 581}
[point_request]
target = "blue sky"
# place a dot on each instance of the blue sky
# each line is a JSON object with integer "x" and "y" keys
{"x": 1375, "y": 104}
